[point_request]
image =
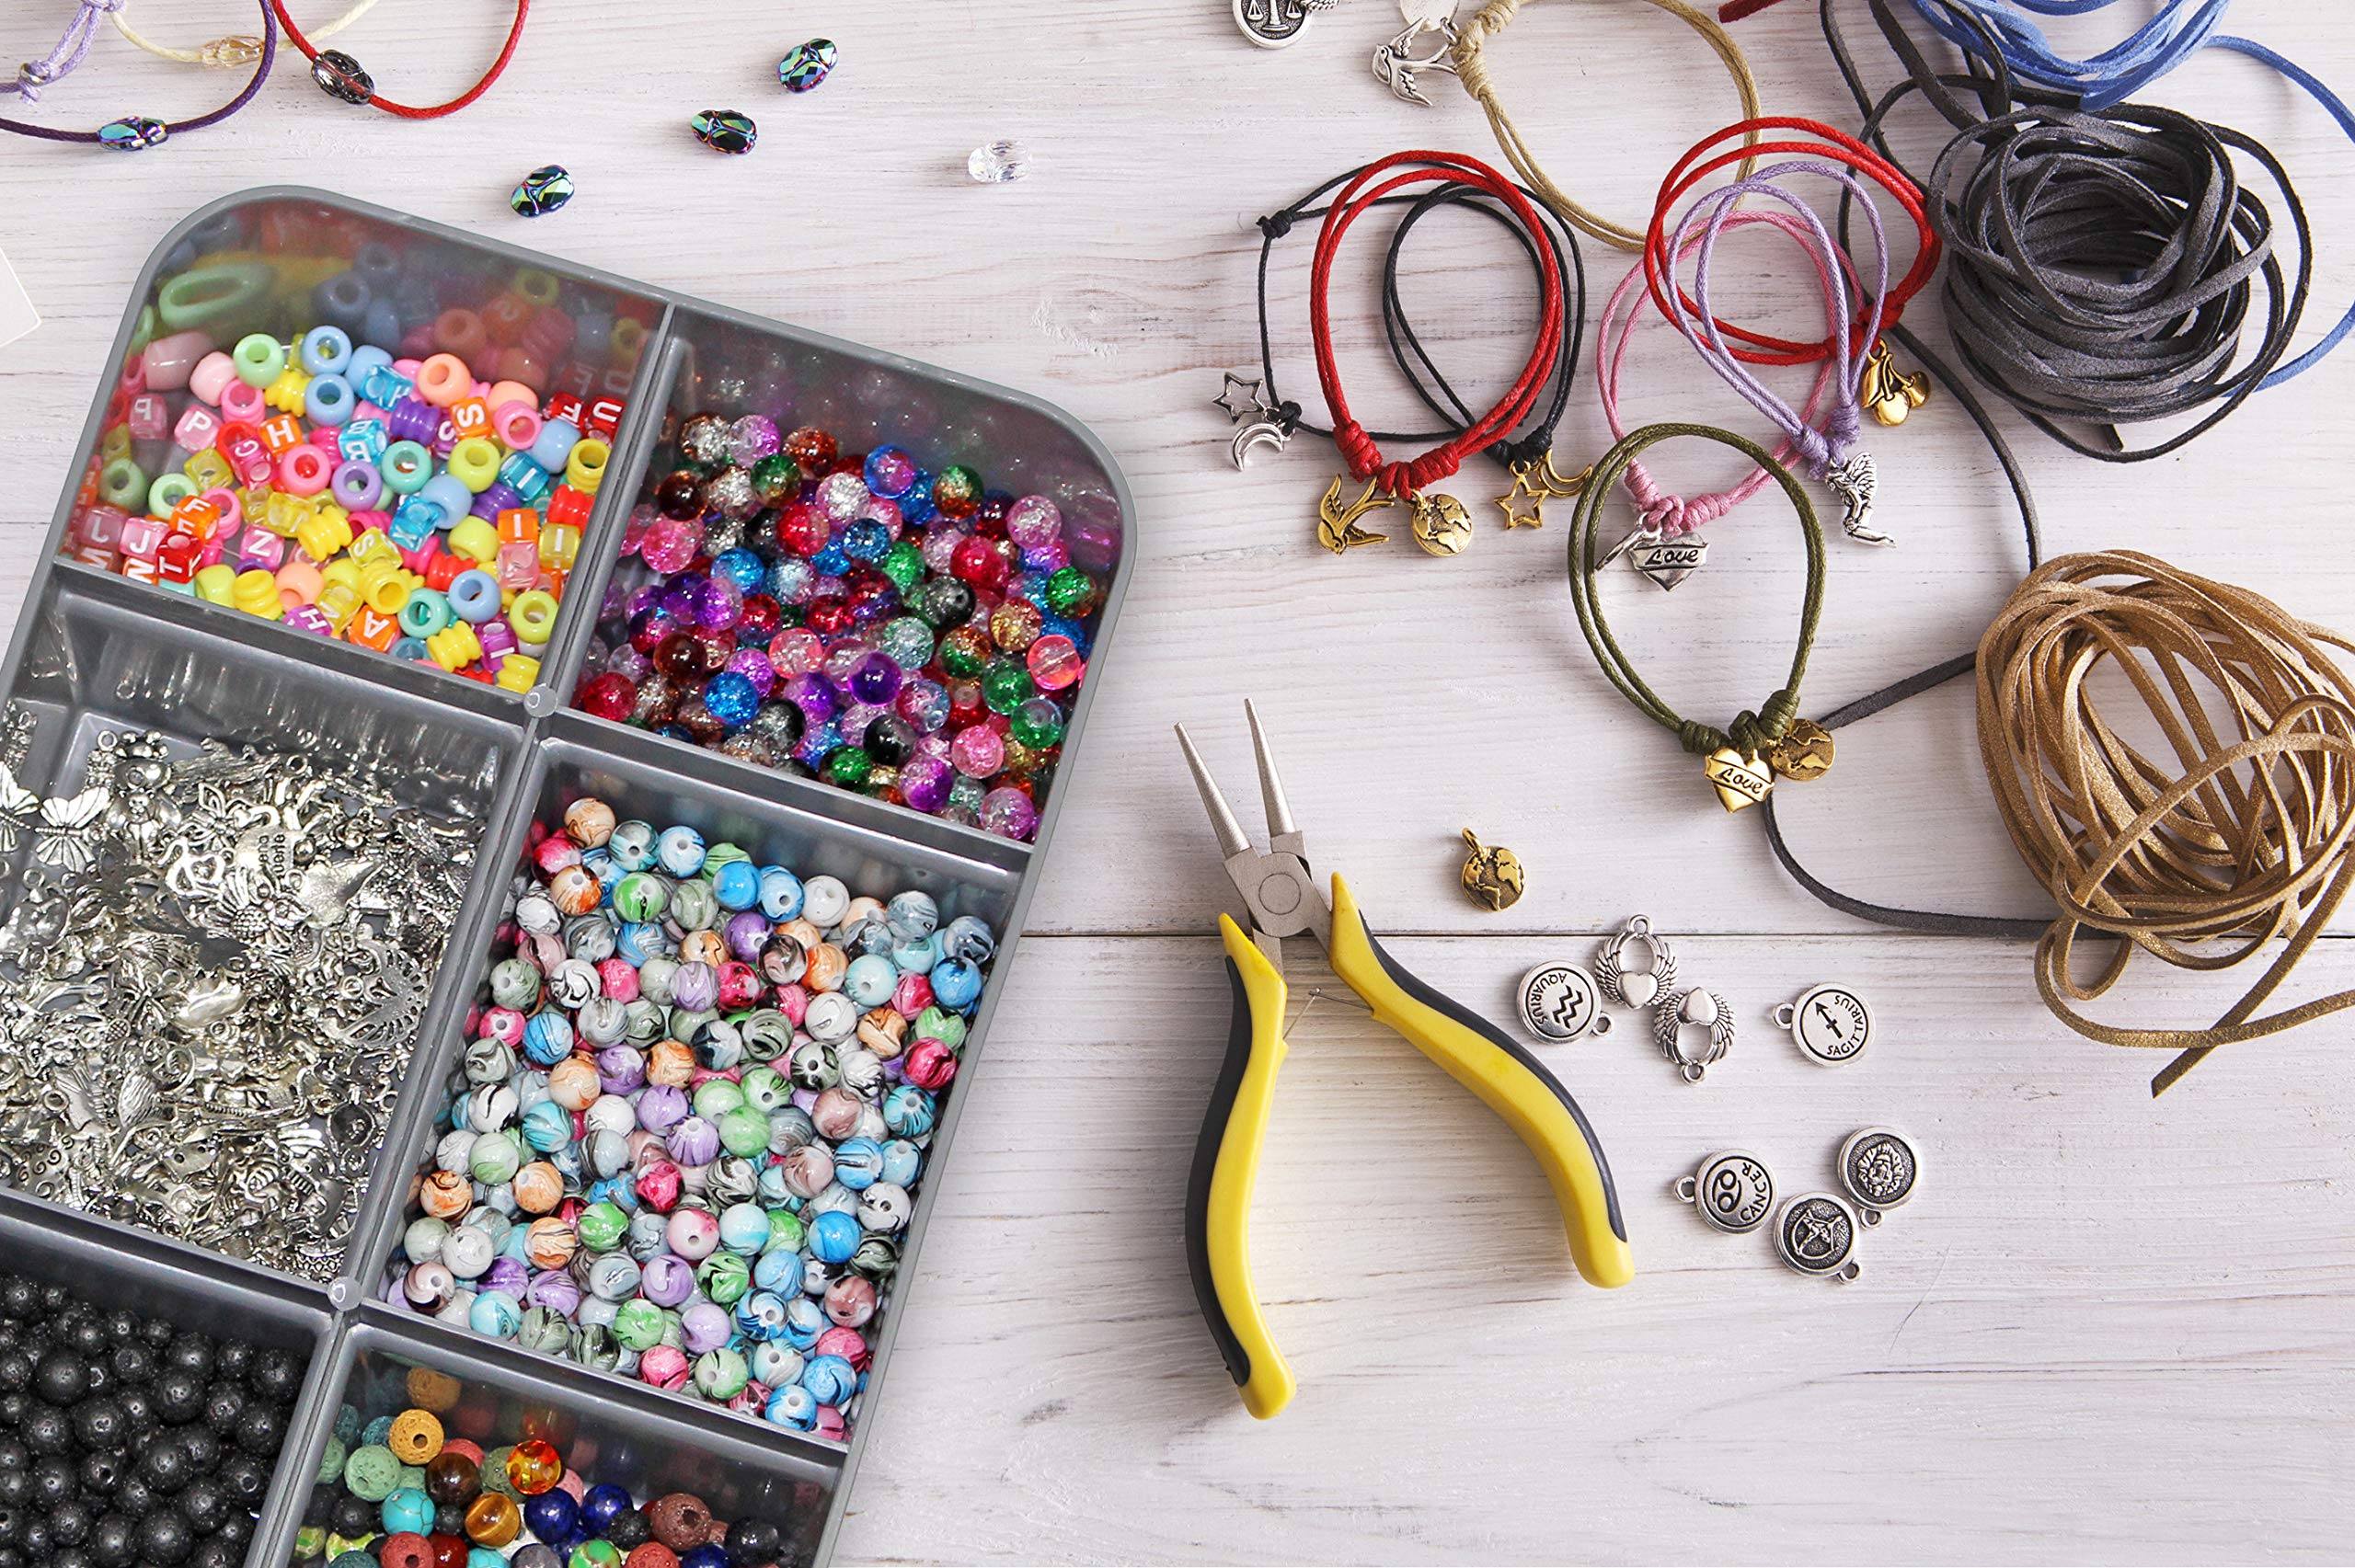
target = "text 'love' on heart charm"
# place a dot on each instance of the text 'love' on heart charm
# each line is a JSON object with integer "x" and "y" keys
{"x": 1670, "y": 561}
{"x": 1742, "y": 781}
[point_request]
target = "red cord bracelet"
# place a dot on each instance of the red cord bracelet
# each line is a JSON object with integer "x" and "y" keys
{"x": 340, "y": 77}
{"x": 1405, "y": 480}
{"x": 1695, "y": 165}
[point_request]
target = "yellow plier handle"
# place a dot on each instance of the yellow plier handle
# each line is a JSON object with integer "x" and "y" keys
{"x": 1227, "y": 1163}
{"x": 1483, "y": 1058}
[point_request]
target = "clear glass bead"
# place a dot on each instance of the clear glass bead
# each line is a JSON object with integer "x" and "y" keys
{"x": 999, "y": 163}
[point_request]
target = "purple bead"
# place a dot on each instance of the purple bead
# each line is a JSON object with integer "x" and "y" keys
{"x": 754, "y": 665}
{"x": 667, "y": 1281}
{"x": 642, "y": 601}
{"x": 413, "y": 420}
{"x": 620, "y": 1069}
{"x": 508, "y": 1276}
{"x": 706, "y": 1327}
{"x": 924, "y": 781}
{"x": 877, "y": 679}
{"x": 694, "y": 987}
{"x": 662, "y": 1107}
{"x": 501, "y": 496}
{"x": 717, "y": 605}
{"x": 555, "y": 1290}
{"x": 813, "y": 695}
{"x": 358, "y": 485}
{"x": 694, "y": 1142}
{"x": 745, "y": 934}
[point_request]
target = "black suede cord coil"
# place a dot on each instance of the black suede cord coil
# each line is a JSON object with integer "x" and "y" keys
{"x": 1406, "y": 348}
{"x": 2103, "y": 266}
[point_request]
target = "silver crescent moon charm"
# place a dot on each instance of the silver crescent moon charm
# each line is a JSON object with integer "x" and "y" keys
{"x": 1259, "y": 433}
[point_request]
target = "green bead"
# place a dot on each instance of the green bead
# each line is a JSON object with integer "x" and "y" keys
{"x": 715, "y": 1097}
{"x": 717, "y": 856}
{"x": 744, "y": 1132}
{"x": 939, "y": 1023}
{"x": 720, "y": 1375}
{"x": 124, "y": 484}
{"x": 903, "y": 564}
{"x": 331, "y": 1463}
{"x": 372, "y": 1474}
{"x": 776, "y": 479}
{"x": 145, "y": 332}
{"x": 259, "y": 360}
{"x": 203, "y": 295}
{"x": 764, "y": 1090}
{"x": 311, "y": 1541}
{"x": 957, "y": 490}
{"x": 601, "y": 1227}
{"x": 964, "y": 652}
{"x": 725, "y": 1278}
{"x": 787, "y": 1231}
{"x": 495, "y": 1159}
{"x": 638, "y": 1325}
{"x": 642, "y": 896}
{"x": 1037, "y": 722}
{"x": 595, "y": 1554}
{"x": 849, "y": 766}
{"x": 494, "y": 1472}
{"x": 1070, "y": 591}
{"x": 1006, "y": 685}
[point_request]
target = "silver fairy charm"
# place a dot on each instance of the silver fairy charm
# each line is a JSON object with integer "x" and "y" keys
{"x": 1853, "y": 480}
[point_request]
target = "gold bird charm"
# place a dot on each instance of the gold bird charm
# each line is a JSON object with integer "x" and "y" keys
{"x": 1336, "y": 525}
{"x": 1890, "y": 393}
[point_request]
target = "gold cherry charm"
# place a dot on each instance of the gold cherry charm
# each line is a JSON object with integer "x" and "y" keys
{"x": 1492, "y": 877}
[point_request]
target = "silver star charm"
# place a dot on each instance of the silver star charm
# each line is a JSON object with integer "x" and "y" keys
{"x": 1252, "y": 403}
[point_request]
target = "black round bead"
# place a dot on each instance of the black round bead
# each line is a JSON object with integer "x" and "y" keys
{"x": 178, "y": 1393}
{"x": 237, "y": 1528}
{"x": 61, "y": 1378}
{"x": 47, "y": 1430}
{"x": 101, "y": 1473}
{"x": 355, "y": 1517}
{"x": 206, "y": 1505}
{"x": 320, "y": 1507}
{"x": 138, "y": 1411}
{"x": 70, "y": 1522}
{"x": 262, "y": 1431}
{"x": 18, "y": 1297}
{"x": 751, "y": 1543}
{"x": 164, "y": 1537}
{"x": 35, "y": 1541}
{"x": 134, "y": 1497}
{"x": 133, "y": 1362}
{"x": 165, "y": 1466}
{"x": 54, "y": 1481}
{"x": 99, "y": 1425}
{"x": 276, "y": 1375}
{"x": 121, "y": 1326}
{"x": 158, "y": 1332}
{"x": 224, "y": 1403}
{"x": 114, "y": 1542}
{"x": 631, "y": 1530}
{"x": 16, "y": 1369}
{"x": 203, "y": 1448}
{"x": 15, "y": 1485}
{"x": 234, "y": 1360}
{"x": 12, "y": 1524}
{"x": 86, "y": 1334}
{"x": 449, "y": 1518}
{"x": 215, "y": 1553}
{"x": 71, "y": 1557}
{"x": 13, "y": 1407}
{"x": 246, "y": 1478}
{"x": 192, "y": 1352}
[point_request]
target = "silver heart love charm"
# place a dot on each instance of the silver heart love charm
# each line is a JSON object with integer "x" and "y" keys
{"x": 1670, "y": 561}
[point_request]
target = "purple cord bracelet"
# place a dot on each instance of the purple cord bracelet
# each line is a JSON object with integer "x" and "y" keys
{"x": 133, "y": 133}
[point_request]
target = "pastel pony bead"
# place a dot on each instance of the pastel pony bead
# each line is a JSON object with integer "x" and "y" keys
{"x": 405, "y": 466}
{"x": 328, "y": 401}
{"x": 517, "y": 423}
{"x": 325, "y": 350}
{"x": 243, "y": 403}
{"x": 357, "y": 486}
{"x": 443, "y": 379}
{"x": 304, "y": 470}
{"x": 554, "y": 448}
{"x": 474, "y": 597}
{"x": 260, "y": 360}
{"x": 256, "y": 594}
{"x": 532, "y": 615}
{"x": 211, "y": 376}
{"x": 474, "y": 539}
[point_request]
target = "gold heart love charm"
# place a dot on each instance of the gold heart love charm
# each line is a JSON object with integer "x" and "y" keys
{"x": 1804, "y": 751}
{"x": 1742, "y": 781}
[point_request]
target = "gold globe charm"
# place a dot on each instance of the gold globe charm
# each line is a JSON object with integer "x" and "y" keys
{"x": 1440, "y": 524}
{"x": 1492, "y": 877}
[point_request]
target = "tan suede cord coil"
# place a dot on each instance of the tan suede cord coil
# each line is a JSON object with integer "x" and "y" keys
{"x": 2239, "y": 838}
{"x": 1472, "y": 68}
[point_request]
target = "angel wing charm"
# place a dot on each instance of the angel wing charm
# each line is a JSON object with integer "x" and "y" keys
{"x": 1854, "y": 482}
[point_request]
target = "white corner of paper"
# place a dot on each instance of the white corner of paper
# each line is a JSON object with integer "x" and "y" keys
{"x": 17, "y": 313}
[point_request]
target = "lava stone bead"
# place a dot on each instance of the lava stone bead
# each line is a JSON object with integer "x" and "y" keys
{"x": 751, "y": 1543}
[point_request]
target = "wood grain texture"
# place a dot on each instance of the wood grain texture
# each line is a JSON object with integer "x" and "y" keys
{"x": 2109, "y": 1330}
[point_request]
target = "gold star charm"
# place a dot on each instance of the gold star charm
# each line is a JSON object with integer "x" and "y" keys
{"x": 1524, "y": 504}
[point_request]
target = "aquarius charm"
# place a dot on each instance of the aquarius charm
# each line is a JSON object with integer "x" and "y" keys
{"x": 1804, "y": 752}
{"x": 1854, "y": 482}
{"x": 1440, "y": 524}
{"x": 1890, "y": 393}
{"x": 1336, "y": 525}
{"x": 1492, "y": 877}
{"x": 1742, "y": 781}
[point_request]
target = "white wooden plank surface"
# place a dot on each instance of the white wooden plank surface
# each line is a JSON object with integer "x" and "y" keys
{"x": 2109, "y": 1330}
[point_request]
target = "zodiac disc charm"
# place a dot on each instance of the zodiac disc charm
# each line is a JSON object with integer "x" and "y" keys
{"x": 1804, "y": 752}
{"x": 1816, "y": 1233}
{"x": 1878, "y": 1167}
{"x": 1635, "y": 987}
{"x": 1733, "y": 1191}
{"x": 1275, "y": 24}
{"x": 1559, "y": 1002}
{"x": 1491, "y": 876}
{"x": 1441, "y": 525}
{"x": 1832, "y": 1024}
{"x": 1695, "y": 1009}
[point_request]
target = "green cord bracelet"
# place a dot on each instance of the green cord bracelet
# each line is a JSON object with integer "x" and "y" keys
{"x": 1743, "y": 759}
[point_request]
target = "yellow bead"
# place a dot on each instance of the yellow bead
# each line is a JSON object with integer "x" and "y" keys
{"x": 560, "y": 546}
{"x": 476, "y": 539}
{"x": 286, "y": 394}
{"x": 585, "y": 469}
{"x": 474, "y": 463}
{"x": 338, "y": 601}
{"x": 282, "y": 514}
{"x": 214, "y": 584}
{"x": 386, "y": 585}
{"x": 344, "y": 571}
{"x": 256, "y": 594}
{"x": 533, "y": 616}
{"x": 519, "y": 672}
{"x": 455, "y": 647}
{"x": 322, "y": 535}
{"x": 115, "y": 445}
{"x": 209, "y": 469}
{"x": 373, "y": 545}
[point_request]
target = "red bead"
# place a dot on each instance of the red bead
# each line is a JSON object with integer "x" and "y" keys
{"x": 828, "y": 616}
{"x": 605, "y": 418}
{"x": 609, "y": 696}
{"x": 564, "y": 406}
{"x": 175, "y": 562}
{"x": 443, "y": 569}
{"x": 683, "y": 657}
{"x": 680, "y": 495}
{"x": 762, "y": 619}
{"x": 570, "y": 508}
{"x": 980, "y": 562}
{"x": 803, "y": 529}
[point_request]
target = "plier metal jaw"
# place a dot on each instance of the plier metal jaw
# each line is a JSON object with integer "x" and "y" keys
{"x": 1281, "y": 898}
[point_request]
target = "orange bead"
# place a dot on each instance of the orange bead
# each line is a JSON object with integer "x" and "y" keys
{"x": 282, "y": 433}
{"x": 435, "y": 1391}
{"x": 470, "y": 417}
{"x": 493, "y": 1519}
{"x": 415, "y": 1437}
{"x": 534, "y": 1466}
{"x": 371, "y": 629}
{"x": 518, "y": 525}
